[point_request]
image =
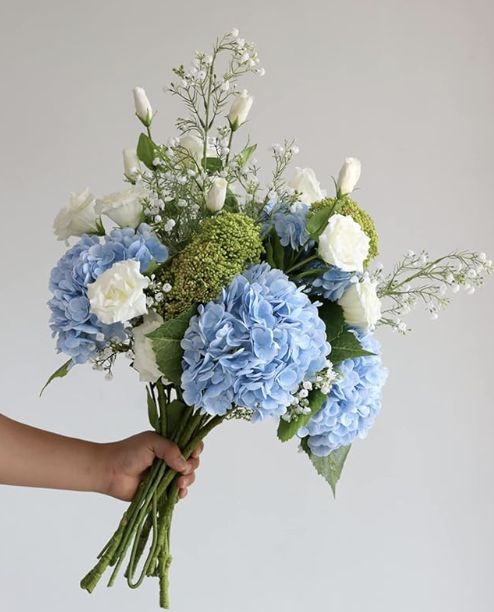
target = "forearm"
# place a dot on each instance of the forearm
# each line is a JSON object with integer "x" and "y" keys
{"x": 36, "y": 458}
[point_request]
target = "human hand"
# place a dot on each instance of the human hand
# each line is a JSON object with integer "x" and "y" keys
{"x": 124, "y": 463}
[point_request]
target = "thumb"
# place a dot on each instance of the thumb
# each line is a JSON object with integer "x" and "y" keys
{"x": 170, "y": 453}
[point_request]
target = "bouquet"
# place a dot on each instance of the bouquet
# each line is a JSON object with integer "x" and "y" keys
{"x": 232, "y": 300}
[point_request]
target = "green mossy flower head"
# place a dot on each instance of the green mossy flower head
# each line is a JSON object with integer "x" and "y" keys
{"x": 350, "y": 208}
{"x": 222, "y": 248}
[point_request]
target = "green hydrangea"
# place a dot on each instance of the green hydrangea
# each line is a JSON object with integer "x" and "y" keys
{"x": 222, "y": 248}
{"x": 349, "y": 207}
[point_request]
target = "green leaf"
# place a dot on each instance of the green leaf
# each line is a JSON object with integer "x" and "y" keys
{"x": 286, "y": 430}
{"x": 246, "y": 153}
{"x": 329, "y": 467}
{"x": 332, "y": 315}
{"x": 147, "y": 150}
{"x": 62, "y": 371}
{"x": 153, "y": 412}
{"x": 231, "y": 202}
{"x": 346, "y": 346}
{"x": 166, "y": 344}
{"x": 175, "y": 412}
{"x": 213, "y": 164}
{"x": 317, "y": 221}
{"x": 276, "y": 252}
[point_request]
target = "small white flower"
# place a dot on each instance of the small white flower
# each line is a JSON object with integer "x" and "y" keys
{"x": 145, "y": 358}
{"x": 306, "y": 183}
{"x": 166, "y": 288}
{"x": 348, "y": 176}
{"x": 482, "y": 257}
{"x": 235, "y": 32}
{"x": 169, "y": 225}
{"x": 294, "y": 150}
{"x": 78, "y": 217}
{"x": 142, "y": 106}
{"x": 239, "y": 109}
{"x": 361, "y": 305}
{"x": 124, "y": 207}
{"x": 117, "y": 295}
{"x": 215, "y": 199}
{"x": 131, "y": 164}
{"x": 261, "y": 72}
{"x": 344, "y": 244}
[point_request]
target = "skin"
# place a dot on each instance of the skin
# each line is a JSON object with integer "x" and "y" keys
{"x": 33, "y": 457}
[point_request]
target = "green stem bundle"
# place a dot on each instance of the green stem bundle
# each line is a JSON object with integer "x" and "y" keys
{"x": 147, "y": 521}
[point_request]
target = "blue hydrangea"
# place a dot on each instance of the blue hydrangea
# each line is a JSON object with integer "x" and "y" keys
{"x": 289, "y": 222}
{"x": 352, "y": 404}
{"x": 80, "y": 334}
{"x": 253, "y": 346}
{"x": 332, "y": 284}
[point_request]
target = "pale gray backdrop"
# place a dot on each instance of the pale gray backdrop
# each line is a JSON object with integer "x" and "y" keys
{"x": 409, "y": 88}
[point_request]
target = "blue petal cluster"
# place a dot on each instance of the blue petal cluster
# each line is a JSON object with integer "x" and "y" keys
{"x": 352, "y": 404}
{"x": 80, "y": 334}
{"x": 253, "y": 346}
{"x": 332, "y": 284}
{"x": 290, "y": 225}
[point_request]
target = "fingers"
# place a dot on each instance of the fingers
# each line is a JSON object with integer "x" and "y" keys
{"x": 198, "y": 450}
{"x": 185, "y": 481}
{"x": 170, "y": 453}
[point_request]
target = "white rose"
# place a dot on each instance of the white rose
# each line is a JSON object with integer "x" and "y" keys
{"x": 344, "y": 244}
{"x": 361, "y": 306}
{"x": 215, "y": 199}
{"x": 131, "y": 164}
{"x": 117, "y": 295}
{"x": 348, "y": 176}
{"x": 239, "y": 109}
{"x": 305, "y": 182}
{"x": 78, "y": 217}
{"x": 145, "y": 358}
{"x": 194, "y": 145}
{"x": 123, "y": 207}
{"x": 142, "y": 106}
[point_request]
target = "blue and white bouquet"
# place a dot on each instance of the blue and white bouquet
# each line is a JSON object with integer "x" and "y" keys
{"x": 232, "y": 300}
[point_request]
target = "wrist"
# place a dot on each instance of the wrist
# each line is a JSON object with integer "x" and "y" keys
{"x": 103, "y": 471}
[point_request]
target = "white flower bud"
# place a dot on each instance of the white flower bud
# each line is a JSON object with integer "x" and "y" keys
{"x": 142, "y": 106}
{"x": 131, "y": 164}
{"x": 215, "y": 199}
{"x": 349, "y": 175}
{"x": 239, "y": 110}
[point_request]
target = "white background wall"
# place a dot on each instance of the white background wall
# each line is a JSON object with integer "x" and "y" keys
{"x": 409, "y": 88}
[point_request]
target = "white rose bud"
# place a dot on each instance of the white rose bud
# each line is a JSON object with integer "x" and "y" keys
{"x": 239, "y": 110}
{"x": 344, "y": 244}
{"x": 145, "y": 358}
{"x": 124, "y": 207}
{"x": 142, "y": 106}
{"x": 305, "y": 182}
{"x": 215, "y": 199}
{"x": 131, "y": 164}
{"x": 348, "y": 176}
{"x": 78, "y": 217}
{"x": 117, "y": 295}
{"x": 361, "y": 306}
